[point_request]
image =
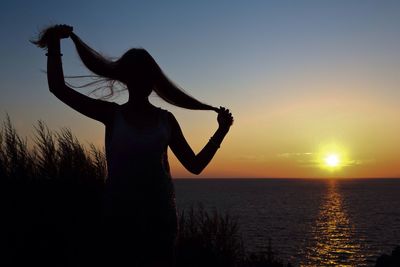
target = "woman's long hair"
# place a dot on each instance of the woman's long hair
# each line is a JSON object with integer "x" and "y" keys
{"x": 136, "y": 62}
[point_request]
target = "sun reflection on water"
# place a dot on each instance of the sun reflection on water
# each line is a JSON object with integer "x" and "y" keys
{"x": 333, "y": 242}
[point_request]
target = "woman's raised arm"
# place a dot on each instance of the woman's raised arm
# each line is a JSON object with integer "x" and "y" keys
{"x": 93, "y": 108}
{"x": 192, "y": 162}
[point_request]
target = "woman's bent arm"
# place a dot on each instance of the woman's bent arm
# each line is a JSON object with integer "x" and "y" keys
{"x": 192, "y": 162}
{"x": 93, "y": 108}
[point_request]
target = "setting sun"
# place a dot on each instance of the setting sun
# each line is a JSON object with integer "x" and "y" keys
{"x": 332, "y": 160}
{"x": 333, "y": 157}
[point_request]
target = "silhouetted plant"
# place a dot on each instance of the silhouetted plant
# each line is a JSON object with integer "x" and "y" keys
{"x": 212, "y": 238}
{"x": 208, "y": 239}
{"x": 16, "y": 162}
{"x": 55, "y": 155}
{"x": 50, "y": 194}
{"x": 263, "y": 259}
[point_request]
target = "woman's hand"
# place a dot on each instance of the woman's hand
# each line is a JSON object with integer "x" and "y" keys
{"x": 61, "y": 31}
{"x": 225, "y": 118}
{"x": 53, "y": 33}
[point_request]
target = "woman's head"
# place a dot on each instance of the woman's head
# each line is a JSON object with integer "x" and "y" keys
{"x": 141, "y": 74}
{"x": 138, "y": 70}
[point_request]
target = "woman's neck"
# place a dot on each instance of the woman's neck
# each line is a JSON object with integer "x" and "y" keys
{"x": 139, "y": 104}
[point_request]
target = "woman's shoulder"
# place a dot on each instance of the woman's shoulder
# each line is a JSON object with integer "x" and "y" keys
{"x": 165, "y": 112}
{"x": 113, "y": 105}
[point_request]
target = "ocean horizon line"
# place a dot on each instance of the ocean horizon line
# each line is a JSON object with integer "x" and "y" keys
{"x": 285, "y": 178}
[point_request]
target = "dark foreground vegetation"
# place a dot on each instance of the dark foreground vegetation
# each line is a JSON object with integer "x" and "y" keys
{"x": 50, "y": 207}
{"x": 50, "y": 197}
{"x": 392, "y": 260}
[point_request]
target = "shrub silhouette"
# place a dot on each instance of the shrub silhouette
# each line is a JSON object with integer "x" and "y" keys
{"x": 212, "y": 238}
{"x": 208, "y": 239}
{"x": 50, "y": 195}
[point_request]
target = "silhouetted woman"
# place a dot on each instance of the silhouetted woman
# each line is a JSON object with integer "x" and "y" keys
{"x": 139, "y": 203}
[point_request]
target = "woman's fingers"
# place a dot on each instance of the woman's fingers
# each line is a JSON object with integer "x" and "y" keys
{"x": 66, "y": 29}
{"x": 225, "y": 116}
{"x": 224, "y": 110}
{"x": 63, "y": 30}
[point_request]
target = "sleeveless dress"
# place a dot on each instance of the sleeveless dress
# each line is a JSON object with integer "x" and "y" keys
{"x": 139, "y": 211}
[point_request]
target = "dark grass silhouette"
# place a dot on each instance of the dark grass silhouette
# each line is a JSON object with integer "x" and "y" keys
{"x": 213, "y": 239}
{"x": 51, "y": 204}
{"x": 50, "y": 197}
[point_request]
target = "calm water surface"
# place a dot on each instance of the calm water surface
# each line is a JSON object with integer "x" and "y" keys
{"x": 311, "y": 222}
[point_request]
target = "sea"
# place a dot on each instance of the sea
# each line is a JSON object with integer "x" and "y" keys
{"x": 309, "y": 222}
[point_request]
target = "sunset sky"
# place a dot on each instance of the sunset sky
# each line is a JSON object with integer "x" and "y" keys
{"x": 305, "y": 80}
